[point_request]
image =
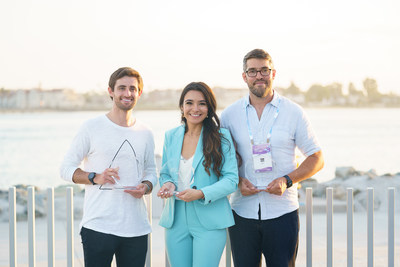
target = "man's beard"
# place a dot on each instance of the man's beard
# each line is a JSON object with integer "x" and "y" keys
{"x": 260, "y": 91}
{"x": 121, "y": 106}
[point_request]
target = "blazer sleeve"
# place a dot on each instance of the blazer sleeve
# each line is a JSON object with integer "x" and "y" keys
{"x": 165, "y": 174}
{"x": 228, "y": 181}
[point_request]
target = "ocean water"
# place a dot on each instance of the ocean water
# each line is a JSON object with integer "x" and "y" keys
{"x": 32, "y": 145}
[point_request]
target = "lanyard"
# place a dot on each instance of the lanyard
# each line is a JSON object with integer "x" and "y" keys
{"x": 270, "y": 130}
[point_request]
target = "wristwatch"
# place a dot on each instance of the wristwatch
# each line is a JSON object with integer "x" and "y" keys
{"x": 289, "y": 182}
{"x": 91, "y": 177}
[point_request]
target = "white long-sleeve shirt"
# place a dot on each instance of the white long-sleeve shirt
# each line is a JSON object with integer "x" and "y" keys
{"x": 96, "y": 145}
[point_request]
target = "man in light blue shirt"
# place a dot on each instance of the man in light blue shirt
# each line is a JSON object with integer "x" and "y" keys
{"x": 268, "y": 128}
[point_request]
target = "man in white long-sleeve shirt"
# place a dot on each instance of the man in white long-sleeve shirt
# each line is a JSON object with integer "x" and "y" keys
{"x": 117, "y": 152}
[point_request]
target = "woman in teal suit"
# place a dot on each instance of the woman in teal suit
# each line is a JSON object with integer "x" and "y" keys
{"x": 199, "y": 171}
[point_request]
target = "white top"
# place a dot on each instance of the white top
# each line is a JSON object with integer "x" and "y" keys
{"x": 96, "y": 144}
{"x": 185, "y": 173}
{"x": 290, "y": 130}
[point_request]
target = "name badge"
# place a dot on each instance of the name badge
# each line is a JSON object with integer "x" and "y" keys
{"x": 262, "y": 159}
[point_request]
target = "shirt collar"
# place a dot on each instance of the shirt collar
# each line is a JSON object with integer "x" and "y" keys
{"x": 274, "y": 101}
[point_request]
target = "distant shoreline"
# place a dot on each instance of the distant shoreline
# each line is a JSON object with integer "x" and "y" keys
{"x": 4, "y": 111}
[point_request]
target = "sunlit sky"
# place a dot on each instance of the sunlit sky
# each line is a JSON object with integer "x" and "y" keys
{"x": 78, "y": 43}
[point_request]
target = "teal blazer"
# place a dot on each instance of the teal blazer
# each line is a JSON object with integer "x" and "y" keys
{"x": 214, "y": 211}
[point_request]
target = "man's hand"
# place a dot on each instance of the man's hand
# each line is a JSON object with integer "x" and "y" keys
{"x": 190, "y": 195}
{"x": 108, "y": 176}
{"x": 247, "y": 188}
{"x": 138, "y": 192}
{"x": 277, "y": 186}
{"x": 167, "y": 190}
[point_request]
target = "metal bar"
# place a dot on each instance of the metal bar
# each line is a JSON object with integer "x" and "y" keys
{"x": 391, "y": 209}
{"x": 70, "y": 227}
{"x": 228, "y": 250}
{"x": 350, "y": 215}
{"x": 50, "y": 227}
{"x": 148, "y": 199}
{"x": 309, "y": 226}
{"x": 329, "y": 226}
{"x": 370, "y": 226}
{"x": 166, "y": 260}
{"x": 31, "y": 226}
{"x": 13, "y": 226}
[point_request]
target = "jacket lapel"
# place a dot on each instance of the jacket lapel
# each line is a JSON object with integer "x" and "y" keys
{"x": 176, "y": 148}
{"x": 198, "y": 155}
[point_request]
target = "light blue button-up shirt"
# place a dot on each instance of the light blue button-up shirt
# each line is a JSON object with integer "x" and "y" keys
{"x": 290, "y": 130}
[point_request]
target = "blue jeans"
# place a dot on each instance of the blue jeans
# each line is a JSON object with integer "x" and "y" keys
{"x": 99, "y": 249}
{"x": 276, "y": 238}
{"x": 189, "y": 244}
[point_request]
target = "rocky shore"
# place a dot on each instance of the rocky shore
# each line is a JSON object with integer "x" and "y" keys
{"x": 41, "y": 202}
{"x": 359, "y": 181}
{"x": 345, "y": 177}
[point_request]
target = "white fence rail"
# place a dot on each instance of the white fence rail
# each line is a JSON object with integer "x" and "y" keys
{"x": 309, "y": 228}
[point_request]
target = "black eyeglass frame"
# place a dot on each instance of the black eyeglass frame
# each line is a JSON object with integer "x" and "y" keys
{"x": 259, "y": 71}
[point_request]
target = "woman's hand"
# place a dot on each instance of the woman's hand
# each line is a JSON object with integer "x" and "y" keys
{"x": 167, "y": 190}
{"x": 190, "y": 195}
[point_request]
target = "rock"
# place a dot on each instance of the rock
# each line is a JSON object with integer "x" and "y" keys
{"x": 62, "y": 189}
{"x": 340, "y": 193}
{"x": 345, "y": 172}
{"x": 371, "y": 174}
{"x": 348, "y": 177}
{"x": 40, "y": 202}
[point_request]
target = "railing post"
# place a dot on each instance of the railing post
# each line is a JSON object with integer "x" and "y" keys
{"x": 370, "y": 224}
{"x": 166, "y": 260}
{"x": 13, "y": 226}
{"x": 391, "y": 209}
{"x": 329, "y": 226}
{"x": 350, "y": 210}
{"x": 70, "y": 227}
{"x": 50, "y": 227}
{"x": 309, "y": 208}
{"x": 228, "y": 250}
{"x": 149, "y": 241}
{"x": 31, "y": 226}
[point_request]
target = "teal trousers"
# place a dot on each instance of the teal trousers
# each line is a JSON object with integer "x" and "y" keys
{"x": 188, "y": 243}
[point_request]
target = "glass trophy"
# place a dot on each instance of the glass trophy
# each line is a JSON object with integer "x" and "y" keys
{"x": 126, "y": 162}
{"x": 256, "y": 178}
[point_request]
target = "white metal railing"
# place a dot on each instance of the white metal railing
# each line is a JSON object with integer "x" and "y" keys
{"x": 350, "y": 219}
{"x": 309, "y": 213}
{"x": 350, "y": 233}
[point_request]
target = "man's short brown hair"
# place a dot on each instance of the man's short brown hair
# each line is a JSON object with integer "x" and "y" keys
{"x": 257, "y": 53}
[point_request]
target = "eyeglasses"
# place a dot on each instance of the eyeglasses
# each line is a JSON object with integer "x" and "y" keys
{"x": 253, "y": 72}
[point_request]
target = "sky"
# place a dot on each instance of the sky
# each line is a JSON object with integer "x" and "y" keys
{"x": 77, "y": 44}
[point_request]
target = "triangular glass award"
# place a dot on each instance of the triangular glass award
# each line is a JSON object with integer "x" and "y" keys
{"x": 129, "y": 168}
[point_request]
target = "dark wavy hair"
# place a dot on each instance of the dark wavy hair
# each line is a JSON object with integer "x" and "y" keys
{"x": 212, "y": 138}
